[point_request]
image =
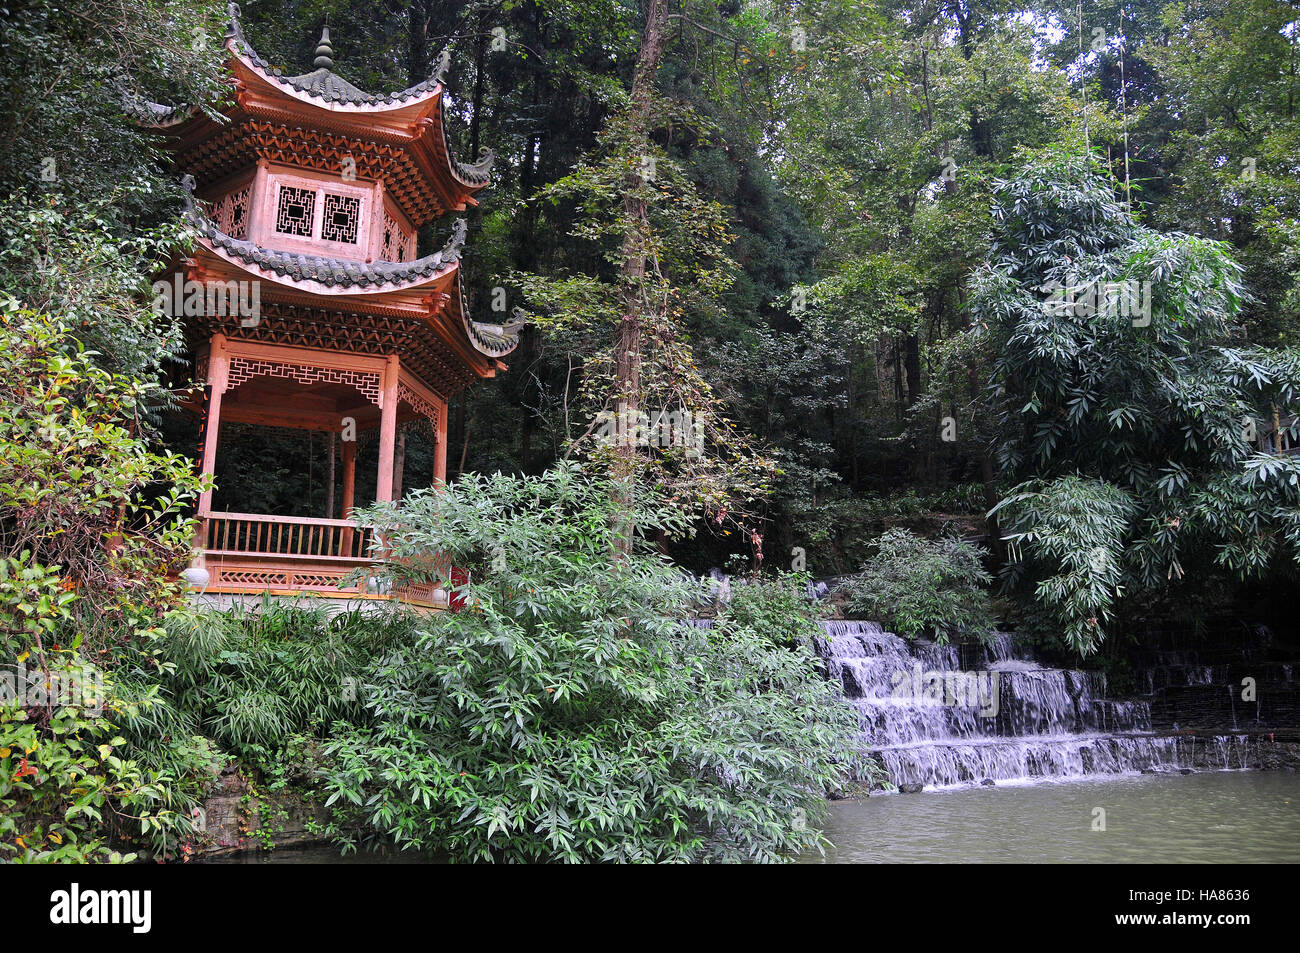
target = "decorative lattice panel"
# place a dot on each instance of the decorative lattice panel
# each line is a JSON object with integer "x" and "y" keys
{"x": 342, "y": 218}
{"x": 424, "y": 354}
{"x": 295, "y": 210}
{"x": 318, "y": 580}
{"x": 312, "y": 580}
{"x": 399, "y": 245}
{"x": 231, "y": 212}
{"x": 422, "y": 594}
{"x": 251, "y": 577}
{"x": 244, "y": 141}
{"x": 419, "y": 405}
{"x": 243, "y": 369}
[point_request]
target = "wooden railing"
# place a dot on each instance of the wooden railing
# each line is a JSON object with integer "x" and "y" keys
{"x": 249, "y": 533}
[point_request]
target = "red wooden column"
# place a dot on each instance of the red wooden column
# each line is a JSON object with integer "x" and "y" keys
{"x": 387, "y": 433}
{"x": 349, "y": 490}
{"x": 218, "y": 377}
{"x": 349, "y": 476}
{"x": 440, "y": 451}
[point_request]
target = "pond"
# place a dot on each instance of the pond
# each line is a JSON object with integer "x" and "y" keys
{"x": 1220, "y": 817}
{"x": 1216, "y": 817}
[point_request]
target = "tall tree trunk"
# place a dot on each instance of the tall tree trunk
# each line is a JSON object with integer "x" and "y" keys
{"x": 417, "y": 43}
{"x": 476, "y": 111}
{"x": 627, "y": 350}
{"x": 912, "y": 366}
{"x": 459, "y": 433}
{"x": 464, "y": 447}
{"x": 988, "y": 478}
{"x": 991, "y": 500}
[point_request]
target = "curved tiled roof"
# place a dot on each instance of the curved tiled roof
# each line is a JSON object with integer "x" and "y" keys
{"x": 153, "y": 114}
{"x": 473, "y": 173}
{"x": 492, "y": 340}
{"x": 325, "y": 84}
{"x": 340, "y": 273}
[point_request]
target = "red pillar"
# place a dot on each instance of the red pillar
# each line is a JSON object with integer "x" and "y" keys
{"x": 218, "y": 377}
{"x": 349, "y": 489}
{"x": 387, "y": 433}
{"x": 349, "y": 476}
{"x": 440, "y": 451}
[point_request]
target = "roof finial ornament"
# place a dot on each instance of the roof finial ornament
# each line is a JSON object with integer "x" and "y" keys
{"x": 188, "y": 184}
{"x": 444, "y": 64}
{"x": 324, "y": 52}
{"x": 233, "y": 29}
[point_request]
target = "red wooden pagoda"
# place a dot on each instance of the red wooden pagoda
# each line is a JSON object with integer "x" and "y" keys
{"x": 311, "y": 193}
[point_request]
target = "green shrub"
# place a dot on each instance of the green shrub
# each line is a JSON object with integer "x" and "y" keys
{"x": 80, "y": 488}
{"x": 569, "y": 713}
{"x": 776, "y": 608}
{"x": 915, "y": 586}
{"x": 252, "y": 680}
{"x": 839, "y": 529}
{"x": 72, "y": 789}
{"x": 92, "y": 529}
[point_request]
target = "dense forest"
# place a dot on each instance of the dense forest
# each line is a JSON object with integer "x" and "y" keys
{"x": 989, "y": 305}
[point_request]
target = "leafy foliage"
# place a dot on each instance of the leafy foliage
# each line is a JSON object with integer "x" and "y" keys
{"x": 916, "y": 586}
{"x": 571, "y": 713}
{"x": 68, "y": 794}
{"x": 75, "y": 263}
{"x": 79, "y": 489}
{"x": 88, "y": 212}
{"x": 253, "y": 679}
{"x": 684, "y": 238}
{"x": 1139, "y": 430}
{"x": 93, "y": 526}
{"x": 78, "y": 780}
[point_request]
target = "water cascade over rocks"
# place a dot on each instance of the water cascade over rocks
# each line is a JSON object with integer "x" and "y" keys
{"x": 944, "y": 715}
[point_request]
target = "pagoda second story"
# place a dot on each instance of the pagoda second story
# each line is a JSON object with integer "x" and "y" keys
{"x": 308, "y": 306}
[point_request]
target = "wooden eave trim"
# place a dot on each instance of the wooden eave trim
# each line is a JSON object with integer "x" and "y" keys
{"x": 412, "y": 381}
{"x": 267, "y": 108}
{"x": 429, "y": 159}
{"x": 423, "y": 155}
{"x": 423, "y": 138}
{"x": 309, "y": 356}
{"x": 260, "y": 415}
{"x": 455, "y": 333}
{"x": 426, "y": 303}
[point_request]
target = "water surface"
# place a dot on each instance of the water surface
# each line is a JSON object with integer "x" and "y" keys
{"x": 1218, "y": 817}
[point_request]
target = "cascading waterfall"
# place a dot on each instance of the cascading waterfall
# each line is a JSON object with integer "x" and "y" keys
{"x": 1004, "y": 717}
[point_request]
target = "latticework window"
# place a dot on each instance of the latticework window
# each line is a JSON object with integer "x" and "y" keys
{"x": 231, "y": 212}
{"x": 294, "y": 213}
{"x": 342, "y": 218}
{"x": 398, "y": 245}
